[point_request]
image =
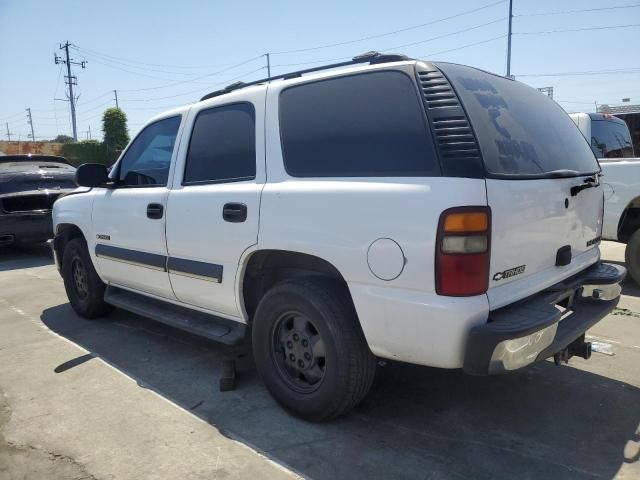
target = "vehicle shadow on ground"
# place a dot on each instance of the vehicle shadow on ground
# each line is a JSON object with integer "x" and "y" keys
{"x": 543, "y": 422}
{"x": 14, "y": 258}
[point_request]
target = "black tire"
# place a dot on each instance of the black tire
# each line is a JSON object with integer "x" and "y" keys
{"x": 341, "y": 369}
{"x": 84, "y": 288}
{"x": 632, "y": 256}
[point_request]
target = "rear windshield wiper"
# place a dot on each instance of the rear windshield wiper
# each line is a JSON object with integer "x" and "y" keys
{"x": 589, "y": 182}
{"x": 562, "y": 173}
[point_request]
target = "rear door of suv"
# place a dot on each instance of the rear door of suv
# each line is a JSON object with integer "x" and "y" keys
{"x": 213, "y": 208}
{"x": 542, "y": 183}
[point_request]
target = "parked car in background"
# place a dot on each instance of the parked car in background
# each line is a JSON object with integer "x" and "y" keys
{"x": 611, "y": 142}
{"x": 428, "y": 213}
{"x": 29, "y": 184}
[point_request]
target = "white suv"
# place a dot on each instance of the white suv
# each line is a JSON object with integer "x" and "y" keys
{"x": 428, "y": 213}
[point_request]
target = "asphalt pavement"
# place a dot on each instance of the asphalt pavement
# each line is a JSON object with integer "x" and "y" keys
{"x": 128, "y": 398}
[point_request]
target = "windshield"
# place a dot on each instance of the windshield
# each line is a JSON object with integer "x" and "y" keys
{"x": 610, "y": 139}
{"x": 521, "y": 132}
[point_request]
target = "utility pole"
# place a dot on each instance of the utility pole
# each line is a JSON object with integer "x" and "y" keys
{"x": 8, "y": 132}
{"x": 89, "y": 132}
{"x": 70, "y": 80}
{"x": 115, "y": 92}
{"x": 268, "y": 65}
{"x": 30, "y": 122}
{"x": 509, "y": 39}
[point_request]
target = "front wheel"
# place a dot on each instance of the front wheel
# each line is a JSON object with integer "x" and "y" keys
{"x": 310, "y": 350}
{"x": 632, "y": 256}
{"x": 84, "y": 288}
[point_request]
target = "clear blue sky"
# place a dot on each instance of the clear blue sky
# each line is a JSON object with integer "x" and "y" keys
{"x": 152, "y": 50}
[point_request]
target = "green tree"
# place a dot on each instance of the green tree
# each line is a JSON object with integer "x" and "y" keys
{"x": 63, "y": 139}
{"x": 114, "y": 127}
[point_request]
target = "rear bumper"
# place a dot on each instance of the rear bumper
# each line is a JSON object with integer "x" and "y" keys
{"x": 535, "y": 328}
{"x": 25, "y": 227}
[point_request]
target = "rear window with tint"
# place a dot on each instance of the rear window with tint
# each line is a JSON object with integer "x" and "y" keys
{"x": 520, "y": 130}
{"x": 222, "y": 146}
{"x": 610, "y": 139}
{"x": 365, "y": 125}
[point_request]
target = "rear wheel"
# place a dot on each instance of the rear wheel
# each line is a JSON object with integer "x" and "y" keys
{"x": 310, "y": 350}
{"x": 84, "y": 288}
{"x": 632, "y": 256}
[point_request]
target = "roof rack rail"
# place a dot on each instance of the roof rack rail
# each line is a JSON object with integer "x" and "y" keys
{"x": 370, "y": 57}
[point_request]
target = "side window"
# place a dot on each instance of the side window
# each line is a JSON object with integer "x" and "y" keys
{"x": 222, "y": 146}
{"x": 365, "y": 125}
{"x": 148, "y": 159}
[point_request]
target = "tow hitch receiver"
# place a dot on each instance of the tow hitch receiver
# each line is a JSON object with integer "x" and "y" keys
{"x": 577, "y": 348}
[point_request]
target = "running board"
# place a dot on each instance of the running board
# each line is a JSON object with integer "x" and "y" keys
{"x": 199, "y": 323}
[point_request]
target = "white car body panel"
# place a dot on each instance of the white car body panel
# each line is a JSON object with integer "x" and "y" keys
{"x": 622, "y": 186}
{"x": 121, "y": 215}
{"x": 211, "y": 239}
{"x": 338, "y": 220}
{"x": 524, "y": 212}
{"x": 621, "y": 182}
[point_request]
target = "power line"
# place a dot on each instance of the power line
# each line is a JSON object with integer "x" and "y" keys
{"x": 116, "y": 64}
{"x": 481, "y": 42}
{"x": 91, "y": 100}
{"x": 134, "y": 62}
{"x": 182, "y": 82}
{"x": 103, "y": 104}
{"x": 380, "y": 35}
{"x": 226, "y": 82}
{"x": 475, "y": 27}
{"x": 566, "y": 12}
{"x": 574, "y": 101}
{"x": 133, "y": 72}
{"x": 590, "y": 72}
{"x": 312, "y": 62}
{"x": 13, "y": 115}
{"x": 578, "y": 29}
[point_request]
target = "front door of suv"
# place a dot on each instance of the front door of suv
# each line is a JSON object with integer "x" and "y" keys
{"x": 213, "y": 207}
{"x": 129, "y": 219}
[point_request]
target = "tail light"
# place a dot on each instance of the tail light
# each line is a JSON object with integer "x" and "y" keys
{"x": 463, "y": 251}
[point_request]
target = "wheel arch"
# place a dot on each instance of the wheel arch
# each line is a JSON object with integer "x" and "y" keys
{"x": 629, "y": 221}
{"x": 63, "y": 234}
{"x": 264, "y": 268}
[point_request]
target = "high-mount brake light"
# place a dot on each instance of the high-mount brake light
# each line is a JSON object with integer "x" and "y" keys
{"x": 463, "y": 251}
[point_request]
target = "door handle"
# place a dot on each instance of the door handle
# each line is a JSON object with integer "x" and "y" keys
{"x": 155, "y": 211}
{"x": 234, "y": 212}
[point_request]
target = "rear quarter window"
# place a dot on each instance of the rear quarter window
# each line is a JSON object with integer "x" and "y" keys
{"x": 521, "y": 132}
{"x": 364, "y": 125}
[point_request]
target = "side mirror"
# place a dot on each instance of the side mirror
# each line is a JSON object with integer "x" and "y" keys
{"x": 91, "y": 175}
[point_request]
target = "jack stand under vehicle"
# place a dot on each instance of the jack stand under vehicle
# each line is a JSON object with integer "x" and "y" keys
{"x": 228, "y": 375}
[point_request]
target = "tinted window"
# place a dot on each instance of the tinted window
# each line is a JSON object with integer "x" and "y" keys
{"x": 223, "y": 145}
{"x": 147, "y": 160}
{"x": 610, "y": 139}
{"x": 361, "y": 125}
{"x": 520, "y": 130}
